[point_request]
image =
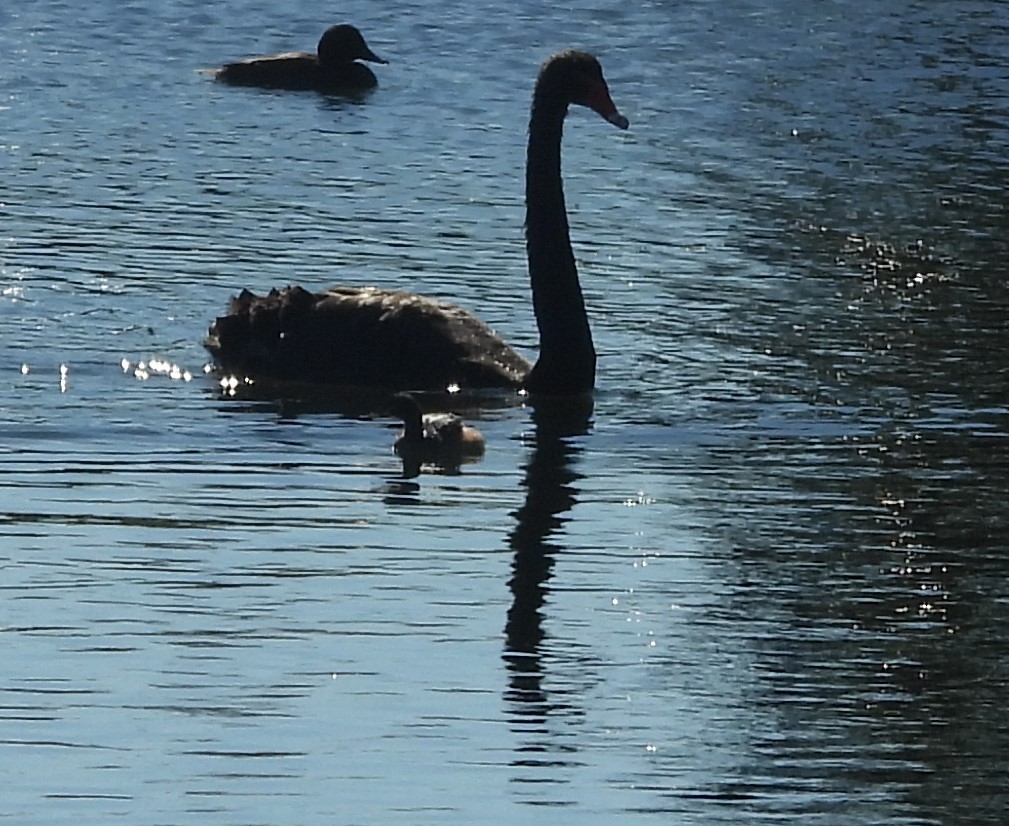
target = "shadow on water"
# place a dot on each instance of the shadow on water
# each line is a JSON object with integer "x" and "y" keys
{"x": 292, "y": 399}
{"x": 880, "y": 592}
{"x": 881, "y": 554}
{"x": 551, "y": 491}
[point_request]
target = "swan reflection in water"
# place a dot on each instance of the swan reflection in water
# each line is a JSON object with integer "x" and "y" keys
{"x": 551, "y": 491}
{"x": 371, "y": 337}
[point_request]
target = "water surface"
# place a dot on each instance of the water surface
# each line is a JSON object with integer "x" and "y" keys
{"x": 761, "y": 577}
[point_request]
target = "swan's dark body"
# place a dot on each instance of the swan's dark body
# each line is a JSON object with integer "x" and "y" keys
{"x": 387, "y": 338}
{"x": 334, "y": 67}
{"x": 364, "y": 337}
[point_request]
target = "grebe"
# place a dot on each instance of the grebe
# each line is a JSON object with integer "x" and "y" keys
{"x": 441, "y": 438}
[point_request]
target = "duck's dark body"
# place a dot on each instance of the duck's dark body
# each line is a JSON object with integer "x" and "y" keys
{"x": 297, "y": 72}
{"x": 361, "y": 336}
{"x": 334, "y": 68}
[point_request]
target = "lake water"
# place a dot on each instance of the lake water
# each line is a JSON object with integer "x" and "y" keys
{"x": 761, "y": 579}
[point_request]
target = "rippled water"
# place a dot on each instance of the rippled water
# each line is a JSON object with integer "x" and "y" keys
{"x": 762, "y": 577}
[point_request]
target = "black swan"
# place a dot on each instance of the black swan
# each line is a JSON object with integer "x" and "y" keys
{"x": 332, "y": 69}
{"x": 386, "y": 338}
{"x": 433, "y": 437}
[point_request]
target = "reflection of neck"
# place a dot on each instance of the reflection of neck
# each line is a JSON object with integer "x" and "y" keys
{"x": 567, "y": 359}
{"x": 550, "y": 493}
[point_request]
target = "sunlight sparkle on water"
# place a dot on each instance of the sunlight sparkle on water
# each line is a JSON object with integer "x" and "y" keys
{"x": 229, "y": 384}
{"x": 157, "y": 367}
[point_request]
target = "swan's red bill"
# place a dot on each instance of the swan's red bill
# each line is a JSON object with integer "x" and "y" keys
{"x": 598, "y": 100}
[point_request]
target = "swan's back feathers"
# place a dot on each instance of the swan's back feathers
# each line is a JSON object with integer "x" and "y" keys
{"x": 361, "y": 337}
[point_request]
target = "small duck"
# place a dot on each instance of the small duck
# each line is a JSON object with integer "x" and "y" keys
{"x": 435, "y": 438}
{"x": 333, "y": 69}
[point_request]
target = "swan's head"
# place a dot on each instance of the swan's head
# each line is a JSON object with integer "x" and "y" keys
{"x": 343, "y": 44}
{"x": 577, "y": 77}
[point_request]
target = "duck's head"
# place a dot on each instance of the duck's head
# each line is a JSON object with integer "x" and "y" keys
{"x": 344, "y": 44}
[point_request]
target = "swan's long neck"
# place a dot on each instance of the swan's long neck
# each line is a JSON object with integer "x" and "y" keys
{"x": 567, "y": 359}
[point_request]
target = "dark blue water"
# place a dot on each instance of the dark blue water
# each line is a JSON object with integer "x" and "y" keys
{"x": 761, "y": 578}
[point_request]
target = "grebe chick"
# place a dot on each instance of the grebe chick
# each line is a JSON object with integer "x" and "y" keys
{"x": 334, "y": 67}
{"x": 368, "y": 337}
{"x": 433, "y": 437}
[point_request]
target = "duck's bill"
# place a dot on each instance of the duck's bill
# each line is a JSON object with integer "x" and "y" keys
{"x": 374, "y": 58}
